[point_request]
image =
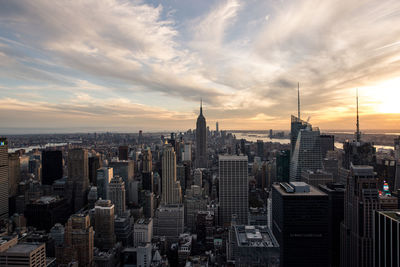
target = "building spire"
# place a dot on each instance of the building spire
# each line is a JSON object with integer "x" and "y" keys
{"x": 201, "y": 106}
{"x": 358, "y": 134}
{"x": 298, "y": 100}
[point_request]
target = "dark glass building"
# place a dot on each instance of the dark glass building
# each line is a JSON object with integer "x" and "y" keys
{"x": 283, "y": 166}
{"x": 327, "y": 144}
{"x": 52, "y": 166}
{"x": 300, "y": 224}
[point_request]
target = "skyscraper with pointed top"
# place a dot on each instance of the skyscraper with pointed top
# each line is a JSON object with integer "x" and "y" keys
{"x": 357, "y": 151}
{"x": 201, "y": 140}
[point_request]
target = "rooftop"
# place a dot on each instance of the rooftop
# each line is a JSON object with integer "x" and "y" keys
{"x": 232, "y": 157}
{"x": 255, "y": 236}
{"x": 393, "y": 214}
{"x": 313, "y": 191}
{"x": 24, "y": 248}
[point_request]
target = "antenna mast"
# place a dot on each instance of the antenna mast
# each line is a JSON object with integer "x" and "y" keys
{"x": 358, "y": 134}
{"x": 298, "y": 100}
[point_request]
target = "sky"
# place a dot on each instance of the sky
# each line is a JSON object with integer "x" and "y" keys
{"x": 127, "y": 65}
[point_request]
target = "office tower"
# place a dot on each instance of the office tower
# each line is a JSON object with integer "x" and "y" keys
{"x": 397, "y": 159}
{"x": 104, "y": 237}
{"x": 194, "y": 202}
{"x": 141, "y": 256}
{"x": 260, "y": 149}
{"x": 357, "y": 152}
{"x": 171, "y": 189}
{"x": 148, "y": 181}
{"x": 78, "y": 177}
{"x": 148, "y": 207}
{"x": 34, "y": 167}
{"x": 300, "y": 224}
{"x": 92, "y": 197}
{"x": 331, "y": 165}
{"x": 57, "y": 234}
{"x": 147, "y": 165}
{"x": 283, "y": 166}
{"x": 296, "y": 126}
{"x": 335, "y": 192}
{"x": 142, "y": 231}
{"x": 3, "y": 178}
{"x": 327, "y": 144}
{"x": 78, "y": 242}
{"x": 14, "y": 174}
{"x": 361, "y": 199}
{"x": 94, "y": 165}
{"x": 126, "y": 170}
{"x": 169, "y": 221}
{"x": 317, "y": 177}
{"x": 140, "y": 137}
{"x": 216, "y": 127}
{"x": 187, "y": 152}
{"x": 103, "y": 179}
{"x": 197, "y": 177}
{"x": 201, "y": 140}
{"x": 123, "y": 228}
{"x": 233, "y": 189}
{"x": 123, "y": 152}
{"x": 386, "y": 238}
{"x": 306, "y": 154}
{"x": 24, "y": 254}
{"x": 252, "y": 246}
{"x": 45, "y": 211}
{"x": 116, "y": 193}
{"x": 52, "y": 166}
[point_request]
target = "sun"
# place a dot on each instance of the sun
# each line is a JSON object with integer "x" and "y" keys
{"x": 383, "y": 97}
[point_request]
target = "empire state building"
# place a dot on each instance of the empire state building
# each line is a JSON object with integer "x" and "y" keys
{"x": 201, "y": 140}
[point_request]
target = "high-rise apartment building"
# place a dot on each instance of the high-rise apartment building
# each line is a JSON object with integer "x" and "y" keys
{"x": 361, "y": 199}
{"x": 52, "y": 166}
{"x": 306, "y": 154}
{"x": 171, "y": 189}
{"x": 3, "y": 178}
{"x": 233, "y": 189}
{"x": 78, "y": 177}
{"x": 300, "y": 224}
{"x": 104, "y": 225}
{"x": 201, "y": 141}
{"x": 116, "y": 193}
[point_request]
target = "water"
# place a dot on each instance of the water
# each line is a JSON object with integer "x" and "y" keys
{"x": 30, "y": 148}
{"x": 285, "y": 141}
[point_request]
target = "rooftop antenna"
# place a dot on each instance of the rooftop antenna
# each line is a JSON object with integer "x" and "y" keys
{"x": 201, "y": 105}
{"x": 298, "y": 100}
{"x": 358, "y": 134}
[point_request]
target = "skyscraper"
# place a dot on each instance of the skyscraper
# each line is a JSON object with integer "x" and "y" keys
{"x": 116, "y": 193}
{"x": 94, "y": 165}
{"x": 104, "y": 225}
{"x": 3, "y": 178}
{"x": 78, "y": 242}
{"x": 233, "y": 189}
{"x": 397, "y": 159}
{"x": 327, "y": 144}
{"x": 300, "y": 224}
{"x": 171, "y": 189}
{"x": 147, "y": 171}
{"x": 14, "y": 174}
{"x": 360, "y": 200}
{"x": 52, "y": 166}
{"x": 306, "y": 154}
{"x": 123, "y": 152}
{"x": 78, "y": 177}
{"x": 147, "y": 165}
{"x": 201, "y": 140}
{"x": 103, "y": 179}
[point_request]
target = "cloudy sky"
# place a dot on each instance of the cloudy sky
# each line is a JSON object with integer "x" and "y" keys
{"x": 129, "y": 65}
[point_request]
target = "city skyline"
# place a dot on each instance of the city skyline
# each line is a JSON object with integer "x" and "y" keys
{"x": 130, "y": 65}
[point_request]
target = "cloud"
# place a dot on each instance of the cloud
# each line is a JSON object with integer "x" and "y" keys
{"x": 83, "y": 59}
